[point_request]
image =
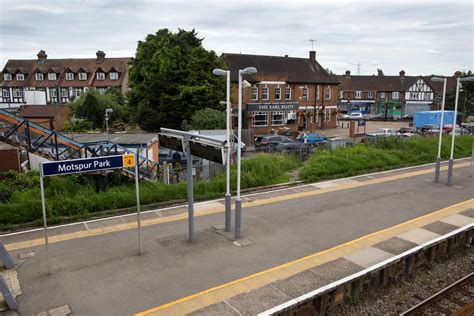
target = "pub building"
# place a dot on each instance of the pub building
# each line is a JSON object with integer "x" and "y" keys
{"x": 291, "y": 92}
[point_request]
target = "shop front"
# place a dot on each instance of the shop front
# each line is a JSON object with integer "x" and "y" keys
{"x": 265, "y": 117}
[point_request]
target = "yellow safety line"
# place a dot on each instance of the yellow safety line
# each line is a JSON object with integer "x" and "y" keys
{"x": 461, "y": 206}
{"x": 214, "y": 210}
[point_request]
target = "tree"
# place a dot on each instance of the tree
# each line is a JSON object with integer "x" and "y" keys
{"x": 206, "y": 119}
{"x": 466, "y": 96}
{"x": 171, "y": 78}
{"x": 91, "y": 110}
{"x": 380, "y": 72}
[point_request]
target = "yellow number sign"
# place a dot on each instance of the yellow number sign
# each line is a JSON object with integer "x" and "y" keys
{"x": 128, "y": 160}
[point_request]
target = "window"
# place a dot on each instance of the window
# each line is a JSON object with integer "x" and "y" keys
{"x": 278, "y": 118}
{"x": 427, "y": 96}
{"x": 82, "y": 76}
{"x": 317, "y": 92}
{"x": 260, "y": 119}
{"x": 265, "y": 93}
{"x": 382, "y": 95}
{"x": 64, "y": 92}
{"x": 341, "y": 94}
{"x": 254, "y": 93}
{"x": 69, "y": 76}
{"x": 414, "y": 96}
{"x": 305, "y": 93}
{"x": 7, "y": 77}
{"x": 395, "y": 95}
{"x": 102, "y": 90}
{"x": 291, "y": 118}
{"x": 20, "y": 77}
{"x": 328, "y": 115}
{"x": 370, "y": 95}
{"x": 52, "y": 76}
{"x": 100, "y": 76}
{"x": 17, "y": 93}
{"x": 6, "y": 93}
{"x": 278, "y": 93}
{"x": 327, "y": 93}
{"x": 39, "y": 76}
{"x": 113, "y": 75}
{"x": 78, "y": 91}
{"x": 288, "y": 93}
{"x": 54, "y": 92}
{"x": 358, "y": 95}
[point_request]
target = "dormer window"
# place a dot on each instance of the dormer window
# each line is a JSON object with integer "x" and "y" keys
{"x": 100, "y": 76}
{"x": 82, "y": 76}
{"x": 52, "y": 76}
{"x": 113, "y": 75}
{"x": 7, "y": 77}
{"x": 39, "y": 76}
{"x": 20, "y": 77}
{"x": 69, "y": 76}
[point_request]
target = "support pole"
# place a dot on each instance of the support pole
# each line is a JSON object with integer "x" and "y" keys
{"x": 238, "y": 202}
{"x": 438, "y": 158}
{"x": 43, "y": 205}
{"x": 451, "y": 157}
{"x": 137, "y": 189}
{"x": 189, "y": 171}
{"x": 228, "y": 210}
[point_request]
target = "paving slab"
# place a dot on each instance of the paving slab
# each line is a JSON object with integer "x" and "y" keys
{"x": 368, "y": 257}
{"x": 458, "y": 220}
{"x": 439, "y": 227}
{"x": 104, "y": 223}
{"x": 301, "y": 283}
{"x": 418, "y": 235}
{"x": 468, "y": 212}
{"x": 336, "y": 269}
{"x": 218, "y": 309}
{"x": 305, "y": 188}
{"x": 395, "y": 245}
{"x": 259, "y": 300}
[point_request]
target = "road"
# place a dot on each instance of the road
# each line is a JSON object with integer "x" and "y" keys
{"x": 103, "y": 275}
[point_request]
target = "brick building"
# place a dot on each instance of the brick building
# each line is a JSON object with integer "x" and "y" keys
{"x": 57, "y": 81}
{"x": 286, "y": 92}
{"x": 399, "y": 95}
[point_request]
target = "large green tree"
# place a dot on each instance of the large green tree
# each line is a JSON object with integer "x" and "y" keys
{"x": 171, "y": 78}
{"x": 206, "y": 119}
{"x": 466, "y": 97}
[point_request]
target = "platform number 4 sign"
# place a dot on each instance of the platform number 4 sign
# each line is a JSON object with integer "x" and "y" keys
{"x": 129, "y": 160}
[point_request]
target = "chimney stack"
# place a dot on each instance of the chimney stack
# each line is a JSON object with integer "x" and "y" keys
{"x": 458, "y": 74}
{"x": 312, "y": 55}
{"x": 41, "y": 56}
{"x": 100, "y": 57}
{"x": 402, "y": 74}
{"x": 348, "y": 73}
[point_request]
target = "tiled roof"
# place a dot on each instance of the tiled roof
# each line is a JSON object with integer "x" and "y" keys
{"x": 296, "y": 70}
{"x": 41, "y": 111}
{"x": 59, "y": 66}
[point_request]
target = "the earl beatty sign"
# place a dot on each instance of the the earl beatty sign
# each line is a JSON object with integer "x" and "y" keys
{"x": 87, "y": 164}
{"x": 290, "y": 106}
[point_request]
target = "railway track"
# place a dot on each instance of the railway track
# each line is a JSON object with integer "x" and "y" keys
{"x": 456, "y": 299}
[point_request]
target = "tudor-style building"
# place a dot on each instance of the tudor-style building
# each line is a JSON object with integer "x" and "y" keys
{"x": 57, "y": 81}
{"x": 286, "y": 92}
{"x": 399, "y": 95}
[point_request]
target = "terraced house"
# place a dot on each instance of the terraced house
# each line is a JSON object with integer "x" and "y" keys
{"x": 57, "y": 81}
{"x": 290, "y": 92}
{"x": 398, "y": 95}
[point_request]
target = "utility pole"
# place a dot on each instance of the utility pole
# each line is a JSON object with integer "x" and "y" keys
{"x": 312, "y": 43}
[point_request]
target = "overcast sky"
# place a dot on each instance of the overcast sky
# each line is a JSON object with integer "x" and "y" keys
{"x": 421, "y": 37}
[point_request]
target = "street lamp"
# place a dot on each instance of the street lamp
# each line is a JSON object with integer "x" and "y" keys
{"x": 238, "y": 202}
{"x": 451, "y": 160}
{"x": 228, "y": 207}
{"x": 438, "y": 158}
{"x": 107, "y": 112}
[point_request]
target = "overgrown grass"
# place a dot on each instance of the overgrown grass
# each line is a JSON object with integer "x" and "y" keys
{"x": 74, "y": 196}
{"x": 383, "y": 155}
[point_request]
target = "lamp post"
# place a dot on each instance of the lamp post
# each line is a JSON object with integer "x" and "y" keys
{"x": 451, "y": 160}
{"x": 238, "y": 202}
{"x": 438, "y": 157}
{"x": 228, "y": 207}
{"x": 107, "y": 112}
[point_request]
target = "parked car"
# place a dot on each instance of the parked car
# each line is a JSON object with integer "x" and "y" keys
{"x": 269, "y": 143}
{"x": 170, "y": 156}
{"x": 313, "y": 139}
{"x": 407, "y": 132}
{"x": 383, "y": 116}
{"x": 293, "y": 146}
{"x": 382, "y": 132}
{"x": 288, "y": 132}
{"x": 430, "y": 129}
{"x": 353, "y": 116}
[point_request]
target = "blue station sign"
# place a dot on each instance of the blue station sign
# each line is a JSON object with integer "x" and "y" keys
{"x": 87, "y": 164}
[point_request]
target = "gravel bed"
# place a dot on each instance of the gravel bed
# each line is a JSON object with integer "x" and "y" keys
{"x": 424, "y": 282}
